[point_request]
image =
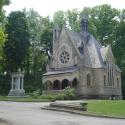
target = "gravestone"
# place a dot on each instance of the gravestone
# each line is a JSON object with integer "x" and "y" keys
{"x": 17, "y": 85}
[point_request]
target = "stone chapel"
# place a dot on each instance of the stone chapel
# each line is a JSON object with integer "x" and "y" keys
{"x": 78, "y": 60}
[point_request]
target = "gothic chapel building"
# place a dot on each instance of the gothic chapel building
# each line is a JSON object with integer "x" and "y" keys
{"x": 78, "y": 60}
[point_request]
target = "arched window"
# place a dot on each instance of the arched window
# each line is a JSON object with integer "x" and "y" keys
{"x": 65, "y": 83}
{"x": 110, "y": 72}
{"x": 118, "y": 82}
{"x": 81, "y": 47}
{"x": 56, "y": 85}
{"x": 104, "y": 80}
{"x": 74, "y": 83}
{"x": 88, "y": 80}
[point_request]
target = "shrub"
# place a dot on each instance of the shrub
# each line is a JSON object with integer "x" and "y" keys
{"x": 69, "y": 93}
{"x": 35, "y": 94}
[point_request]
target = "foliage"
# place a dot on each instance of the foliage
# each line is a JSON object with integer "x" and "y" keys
{"x": 2, "y": 41}
{"x": 34, "y": 21}
{"x": 105, "y": 19}
{"x": 2, "y": 33}
{"x": 46, "y": 41}
{"x": 59, "y": 18}
{"x": 40, "y": 33}
{"x": 32, "y": 83}
{"x": 2, "y": 4}
{"x": 69, "y": 93}
{"x": 35, "y": 94}
{"x": 4, "y": 84}
{"x": 17, "y": 44}
{"x": 72, "y": 16}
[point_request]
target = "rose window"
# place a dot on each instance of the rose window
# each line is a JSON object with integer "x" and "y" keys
{"x": 64, "y": 57}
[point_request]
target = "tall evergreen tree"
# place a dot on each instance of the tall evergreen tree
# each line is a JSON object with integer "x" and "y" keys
{"x": 17, "y": 43}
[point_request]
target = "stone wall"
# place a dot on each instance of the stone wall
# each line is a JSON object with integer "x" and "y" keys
{"x": 97, "y": 88}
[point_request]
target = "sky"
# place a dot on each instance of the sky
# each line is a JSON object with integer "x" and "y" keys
{"x": 48, "y": 7}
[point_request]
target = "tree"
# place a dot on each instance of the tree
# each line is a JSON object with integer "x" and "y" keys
{"x": 2, "y": 33}
{"x": 38, "y": 26}
{"x": 2, "y": 40}
{"x": 105, "y": 19}
{"x": 72, "y": 17}
{"x": 3, "y": 3}
{"x": 35, "y": 27}
{"x": 17, "y": 44}
{"x": 59, "y": 18}
{"x": 46, "y": 42}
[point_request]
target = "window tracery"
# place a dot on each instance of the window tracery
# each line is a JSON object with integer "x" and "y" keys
{"x": 64, "y": 57}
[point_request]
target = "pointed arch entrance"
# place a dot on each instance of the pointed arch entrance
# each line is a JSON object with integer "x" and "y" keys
{"x": 56, "y": 85}
{"x": 65, "y": 83}
{"x": 74, "y": 83}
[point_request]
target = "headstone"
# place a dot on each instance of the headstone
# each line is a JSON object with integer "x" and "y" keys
{"x": 17, "y": 85}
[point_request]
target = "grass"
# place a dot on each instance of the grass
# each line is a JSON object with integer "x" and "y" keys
{"x": 26, "y": 99}
{"x": 107, "y": 107}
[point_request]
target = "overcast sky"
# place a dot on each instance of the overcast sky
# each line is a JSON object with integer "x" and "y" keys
{"x": 48, "y": 7}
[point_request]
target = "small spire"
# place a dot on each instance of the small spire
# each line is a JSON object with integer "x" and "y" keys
{"x": 84, "y": 24}
{"x": 56, "y": 26}
{"x": 56, "y": 32}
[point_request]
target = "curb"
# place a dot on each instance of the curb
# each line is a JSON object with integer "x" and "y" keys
{"x": 80, "y": 113}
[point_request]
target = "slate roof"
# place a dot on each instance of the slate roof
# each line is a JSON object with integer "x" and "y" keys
{"x": 104, "y": 51}
{"x": 95, "y": 52}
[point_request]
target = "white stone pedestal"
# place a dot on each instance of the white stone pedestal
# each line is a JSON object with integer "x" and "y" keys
{"x": 17, "y": 85}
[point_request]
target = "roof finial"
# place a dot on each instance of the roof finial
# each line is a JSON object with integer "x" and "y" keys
{"x": 84, "y": 24}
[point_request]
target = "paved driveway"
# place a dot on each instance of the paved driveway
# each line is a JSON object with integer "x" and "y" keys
{"x": 18, "y": 113}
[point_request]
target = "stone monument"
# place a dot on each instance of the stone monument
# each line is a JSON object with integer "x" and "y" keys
{"x": 17, "y": 85}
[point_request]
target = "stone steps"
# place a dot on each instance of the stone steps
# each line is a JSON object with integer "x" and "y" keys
{"x": 70, "y": 106}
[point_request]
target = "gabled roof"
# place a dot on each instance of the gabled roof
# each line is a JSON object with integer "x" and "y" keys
{"x": 117, "y": 68}
{"x": 93, "y": 57}
{"x": 74, "y": 39}
{"x": 104, "y": 51}
{"x": 95, "y": 54}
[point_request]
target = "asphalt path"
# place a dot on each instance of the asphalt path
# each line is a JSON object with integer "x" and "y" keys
{"x": 20, "y": 113}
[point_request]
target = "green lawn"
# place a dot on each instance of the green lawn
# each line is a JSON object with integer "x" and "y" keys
{"x": 27, "y": 99}
{"x": 107, "y": 107}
